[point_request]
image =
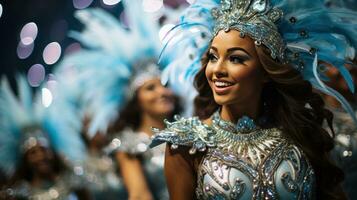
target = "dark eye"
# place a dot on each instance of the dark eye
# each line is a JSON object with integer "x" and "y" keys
{"x": 150, "y": 87}
{"x": 212, "y": 57}
{"x": 236, "y": 60}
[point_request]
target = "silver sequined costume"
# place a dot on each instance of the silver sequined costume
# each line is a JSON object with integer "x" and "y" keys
{"x": 246, "y": 162}
{"x": 99, "y": 174}
{"x": 62, "y": 189}
{"x": 137, "y": 144}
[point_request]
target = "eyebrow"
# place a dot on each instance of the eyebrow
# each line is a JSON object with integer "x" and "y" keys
{"x": 232, "y": 49}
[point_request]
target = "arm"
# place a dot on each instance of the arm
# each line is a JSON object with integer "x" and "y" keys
{"x": 180, "y": 174}
{"x": 133, "y": 176}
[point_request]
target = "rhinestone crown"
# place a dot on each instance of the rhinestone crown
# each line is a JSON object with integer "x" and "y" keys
{"x": 255, "y": 18}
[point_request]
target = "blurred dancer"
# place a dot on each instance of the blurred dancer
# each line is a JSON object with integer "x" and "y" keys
{"x": 345, "y": 151}
{"x": 259, "y": 133}
{"x": 38, "y": 148}
{"x": 99, "y": 169}
{"x": 119, "y": 82}
{"x": 141, "y": 167}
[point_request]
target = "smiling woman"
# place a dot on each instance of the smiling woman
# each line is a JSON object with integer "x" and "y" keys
{"x": 258, "y": 134}
{"x": 234, "y": 73}
{"x": 140, "y": 167}
{"x": 240, "y": 79}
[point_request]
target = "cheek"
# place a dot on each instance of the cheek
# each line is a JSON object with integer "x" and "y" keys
{"x": 147, "y": 100}
{"x": 208, "y": 71}
{"x": 248, "y": 79}
{"x": 209, "y": 74}
{"x": 49, "y": 155}
{"x": 243, "y": 72}
{"x": 30, "y": 159}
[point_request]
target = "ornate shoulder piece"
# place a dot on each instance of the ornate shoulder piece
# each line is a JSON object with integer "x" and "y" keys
{"x": 186, "y": 132}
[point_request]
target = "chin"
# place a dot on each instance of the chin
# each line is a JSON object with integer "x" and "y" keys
{"x": 44, "y": 169}
{"x": 222, "y": 100}
{"x": 162, "y": 112}
{"x": 166, "y": 113}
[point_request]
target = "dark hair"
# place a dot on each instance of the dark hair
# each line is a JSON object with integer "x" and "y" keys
{"x": 294, "y": 106}
{"x": 130, "y": 116}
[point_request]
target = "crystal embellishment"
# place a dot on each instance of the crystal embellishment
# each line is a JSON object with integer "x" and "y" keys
{"x": 253, "y": 17}
{"x": 246, "y": 124}
{"x": 259, "y": 6}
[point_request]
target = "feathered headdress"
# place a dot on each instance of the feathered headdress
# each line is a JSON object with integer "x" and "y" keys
{"x": 116, "y": 60}
{"x": 25, "y": 122}
{"x": 350, "y": 4}
{"x": 298, "y": 32}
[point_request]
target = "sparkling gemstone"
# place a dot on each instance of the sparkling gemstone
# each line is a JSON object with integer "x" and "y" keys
{"x": 303, "y": 33}
{"x": 293, "y": 20}
{"x": 259, "y": 5}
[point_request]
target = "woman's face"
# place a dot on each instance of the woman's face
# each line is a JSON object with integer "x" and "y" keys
{"x": 233, "y": 70}
{"x": 155, "y": 99}
{"x": 40, "y": 159}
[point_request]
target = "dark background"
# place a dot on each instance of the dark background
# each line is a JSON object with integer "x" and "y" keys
{"x": 54, "y": 18}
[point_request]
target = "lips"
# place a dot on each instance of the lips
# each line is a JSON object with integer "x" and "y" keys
{"x": 164, "y": 100}
{"x": 221, "y": 83}
{"x": 222, "y": 87}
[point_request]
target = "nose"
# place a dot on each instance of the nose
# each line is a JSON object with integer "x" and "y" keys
{"x": 38, "y": 154}
{"x": 162, "y": 90}
{"x": 220, "y": 70}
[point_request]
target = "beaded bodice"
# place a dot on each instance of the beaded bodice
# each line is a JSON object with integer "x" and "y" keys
{"x": 61, "y": 189}
{"x": 256, "y": 164}
{"x": 99, "y": 172}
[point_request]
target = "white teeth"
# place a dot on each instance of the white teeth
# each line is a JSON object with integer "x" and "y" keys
{"x": 222, "y": 84}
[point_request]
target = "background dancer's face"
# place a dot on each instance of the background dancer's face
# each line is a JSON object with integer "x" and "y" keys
{"x": 233, "y": 71}
{"x": 155, "y": 99}
{"x": 40, "y": 160}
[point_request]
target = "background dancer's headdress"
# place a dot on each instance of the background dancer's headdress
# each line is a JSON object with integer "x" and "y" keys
{"x": 117, "y": 59}
{"x": 25, "y": 123}
{"x": 299, "y": 32}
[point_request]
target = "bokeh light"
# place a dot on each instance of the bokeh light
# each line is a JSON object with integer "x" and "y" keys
{"x": 24, "y": 51}
{"x": 35, "y": 75}
{"x": 152, "y": 5}
{"x": 80, "y": 4}
{"x": 52, "y": 85}
{"x": 111, "y": 2}
{"x": 190, "y": 1}
{"x": 28, "y": 33}
{"x": 46, "y": 97}
{"x": 0, "y": 10}
{"x": 52, "y": 53}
